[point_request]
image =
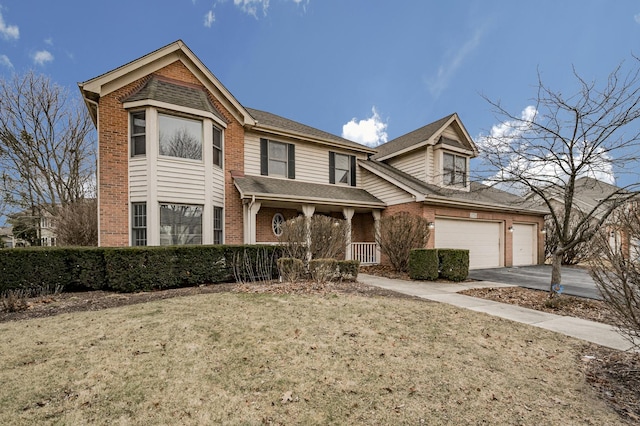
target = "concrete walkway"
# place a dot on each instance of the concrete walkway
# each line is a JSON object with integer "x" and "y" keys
{"x": 590, "y": 331}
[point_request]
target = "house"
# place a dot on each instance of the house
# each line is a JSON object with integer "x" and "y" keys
{"x": 593, "y": 196}
{"x": 182, "y": 161}
{"x": 37, "y": 224}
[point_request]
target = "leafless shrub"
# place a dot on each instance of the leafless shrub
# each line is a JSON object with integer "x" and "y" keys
{"x": 617, "y": 274}
{"x": 327, "y": 237}
{"x": 254, "y": 265}
{"x": 15, "y": 300}
{"x": 77, "y": 224}
{"x": 398, "y": 234}
{"x": 291, "y": 269}
{"x": 323, "y": 270}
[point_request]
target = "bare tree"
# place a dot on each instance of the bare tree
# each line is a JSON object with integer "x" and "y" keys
{"x": 562, "y": 138}
{"x": 327, "y": 237}
{"x": 46, "y": 153}
{"x": 77, "y": 224}
{"x": 617, "y": 273}
{"x": 398, "y": 234}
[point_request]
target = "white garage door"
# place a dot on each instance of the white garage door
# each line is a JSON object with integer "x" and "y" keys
{"x": 524, "y": 245}
{"x": 482, "y": 239}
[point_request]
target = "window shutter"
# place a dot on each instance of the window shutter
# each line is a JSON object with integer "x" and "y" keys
{"x": 332, "y": 167}
{"x": 353, "y": 170}
{"x": 291, "y": 161}
{"x": 264, "y": 157}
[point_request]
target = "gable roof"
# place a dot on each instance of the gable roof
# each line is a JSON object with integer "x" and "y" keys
{"x": 272, "y": 123}
{"x": 177, "y": 93}
{"x": 420, "y": 137}
{"x": 480, "y": 196}
{"x": 265, "y": 188}
{"x": 112, "y": 80}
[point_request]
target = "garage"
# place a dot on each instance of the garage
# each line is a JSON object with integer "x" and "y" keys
{"x": 482, "y": 239}
{"x": 524, "y": 244}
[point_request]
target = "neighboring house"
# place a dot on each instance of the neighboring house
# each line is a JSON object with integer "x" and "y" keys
{"x": 181, "y": 161}
{"x": 7, "y": 239}
{"x": 41, "y": 224}
{"x": 591, "y": 194}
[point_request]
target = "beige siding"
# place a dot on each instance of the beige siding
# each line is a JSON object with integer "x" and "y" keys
{"x": 431, "y": 167}
{"x": 138, "y": 187}
{"x": 217, "y": 196}
{"x": 180, "y": 181}
{"x": 312, "y": 159}
{"x": 450, "y": 133}
{"x": 413, "y": 163}
{"x": 384, "y": 190}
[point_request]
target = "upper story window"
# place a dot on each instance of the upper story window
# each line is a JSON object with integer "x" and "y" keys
{"x": 277, "y": 159}
{"x": 180, "y": 137}
{"x": 217, "y": 146}
{"x": 454, "y": 170}
{"x": 138, "y": 133}
{"x": 342, "y": 168}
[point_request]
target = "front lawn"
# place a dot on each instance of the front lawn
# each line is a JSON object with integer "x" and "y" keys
{"x": 291, "y": 359}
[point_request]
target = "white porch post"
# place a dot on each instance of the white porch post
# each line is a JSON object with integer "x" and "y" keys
{"x": 308, "y": 210}
{"x": 348, "y": 215}
{"x": 250, "y": 212}
{"x": 376, "y": 230}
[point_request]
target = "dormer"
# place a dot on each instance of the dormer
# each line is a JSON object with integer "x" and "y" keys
{"x": 437, "y": 153}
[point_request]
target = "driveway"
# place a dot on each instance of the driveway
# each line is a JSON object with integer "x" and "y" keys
{"x": 576, "y": 281}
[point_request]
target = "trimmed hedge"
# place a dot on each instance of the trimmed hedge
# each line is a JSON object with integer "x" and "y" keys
{"x": 454, "y": 264}
{"x": 130, "y": 269}
{"x": 348, "y": 269}
{"x": 423, "y": 264}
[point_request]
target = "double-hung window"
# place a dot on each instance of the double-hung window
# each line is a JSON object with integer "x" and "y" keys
{"x": 454, "y": 169}
{"x": 217, "y": 225}
{"x": 277, "y": 159}
{"x": 342, "y": 168}
{"x": 138, "y": 133}
{"x": 139, "y": 224}
{"x": 217, "y": 146}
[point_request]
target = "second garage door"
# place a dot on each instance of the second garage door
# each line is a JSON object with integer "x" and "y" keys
{"x": 482, "y": 239}
{"x": 524, "y": 244}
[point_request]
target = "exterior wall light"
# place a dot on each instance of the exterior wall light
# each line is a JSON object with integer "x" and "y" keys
{"x": 431, "y": 225}
{"x": 510, "y": 229}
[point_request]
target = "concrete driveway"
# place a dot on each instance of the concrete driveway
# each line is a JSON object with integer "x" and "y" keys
{"x": 576, "y": 281}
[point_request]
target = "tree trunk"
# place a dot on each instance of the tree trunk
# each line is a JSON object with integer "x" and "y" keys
{"x": 556, "y": 275}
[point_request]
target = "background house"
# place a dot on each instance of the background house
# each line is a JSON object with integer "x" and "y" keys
{"x": 180, "y": 160}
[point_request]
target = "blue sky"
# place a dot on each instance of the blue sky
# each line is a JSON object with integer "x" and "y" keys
{"x": 382, "y": 68}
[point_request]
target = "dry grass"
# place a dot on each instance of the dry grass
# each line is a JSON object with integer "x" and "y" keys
{"x": 290, "y": 359}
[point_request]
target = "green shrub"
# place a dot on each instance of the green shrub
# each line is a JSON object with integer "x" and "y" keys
{"x": 253, "y": 263}
{"x": 348, "y": 269}
{"x": 453, "y": 264}
{"x": 323, "y": 270}
{"x": 290, "y": 268}
{"x": 33, "y": 268}
{"x": 423, "y": 264}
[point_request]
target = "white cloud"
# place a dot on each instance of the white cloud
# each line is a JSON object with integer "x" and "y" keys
{"x": 8, "y": 31}
{"x": 251, "y": 6}
{"x": 48, "y": 41}
{"x": 636, "y": 18}
{"x": 41, "y": 57}
{"x": 502, "y": 134}
{"x": 209, "y": 19}
{"x": 5, "y": 61}
{"x": 440, "y": 82}
{"x": 370, "y": 131}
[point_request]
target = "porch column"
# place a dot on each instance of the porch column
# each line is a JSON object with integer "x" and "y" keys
{"x": 250, "y": 212}
{"x": 308, "y": 210}
{"x": 348, "y": 215}
{"x": 376, "y": 230}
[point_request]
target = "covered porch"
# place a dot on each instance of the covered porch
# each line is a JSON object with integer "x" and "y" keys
{"x": 269, "y": 202}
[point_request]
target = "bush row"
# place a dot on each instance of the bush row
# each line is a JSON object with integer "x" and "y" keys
{"x": 431, "y": 264}
{"x": 130, "y": 269}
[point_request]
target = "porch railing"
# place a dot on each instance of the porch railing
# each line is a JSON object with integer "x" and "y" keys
{"x": 366, "y": 253}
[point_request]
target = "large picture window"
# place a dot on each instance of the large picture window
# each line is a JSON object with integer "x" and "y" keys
{"x": 138, "y": 133}
{"x": 277, "y": 159}
{"x": 180, "y": 137}
{"x": 454, "y": 170}
{"x": 180, "y": 224}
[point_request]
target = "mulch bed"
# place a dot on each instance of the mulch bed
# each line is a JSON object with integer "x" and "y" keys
{"x": 613, "y": 374}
